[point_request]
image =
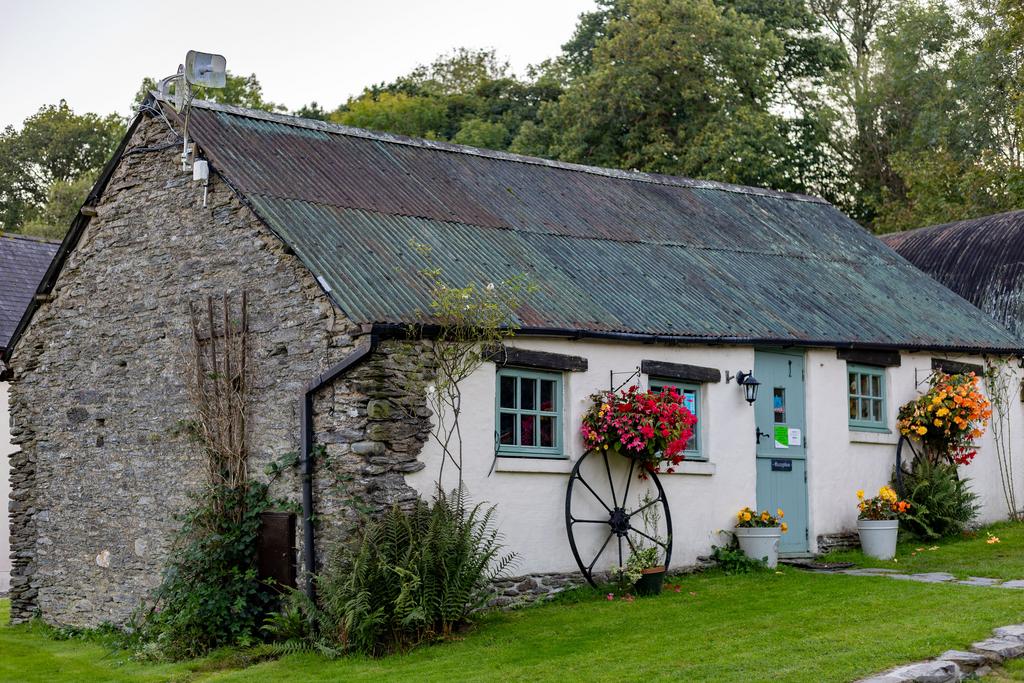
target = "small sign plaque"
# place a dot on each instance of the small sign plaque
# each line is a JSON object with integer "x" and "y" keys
{"x": 782, "y": 465}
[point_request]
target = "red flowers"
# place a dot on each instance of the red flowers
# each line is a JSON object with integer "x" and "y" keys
{"x": 653, "y": 428}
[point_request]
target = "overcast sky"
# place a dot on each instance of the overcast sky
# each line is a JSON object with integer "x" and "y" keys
{"x": 95, "y": 53}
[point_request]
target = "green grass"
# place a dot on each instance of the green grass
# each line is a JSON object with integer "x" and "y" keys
{"x": 790, "y": 626}
{"x": 970, "y": 555}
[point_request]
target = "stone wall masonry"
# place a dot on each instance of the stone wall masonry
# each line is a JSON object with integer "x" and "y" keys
{"x": 99, "y": 394}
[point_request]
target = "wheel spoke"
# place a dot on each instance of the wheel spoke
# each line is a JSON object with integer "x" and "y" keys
{"x": 611, "y": 484}
{"x": 632, "y": 546}
{"x": 649, "y": 538}
{"x": 629, "y": 478}
{"x": 620, "y": 551}
{"x": 638, "y": 510}
{"x": 589, "y": 521}
{"x": 590, "y": 567}
{"x": 584, "y": 482}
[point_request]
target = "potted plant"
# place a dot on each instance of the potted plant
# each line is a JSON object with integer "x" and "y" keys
{"x": 644, "y": 571}
{"x": 651, "y": 427}
{"x": 758, "y": 534}
{"x": 879, "y": 522}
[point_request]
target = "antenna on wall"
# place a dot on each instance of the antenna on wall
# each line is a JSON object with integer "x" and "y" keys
{"x": 203, "y": 69}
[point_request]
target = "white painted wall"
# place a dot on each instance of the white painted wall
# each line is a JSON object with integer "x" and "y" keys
{"x": 530, "y": 493}
{"x": 5, "y": 450}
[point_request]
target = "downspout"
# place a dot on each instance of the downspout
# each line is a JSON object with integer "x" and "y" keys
{"x": 360, "y": 353}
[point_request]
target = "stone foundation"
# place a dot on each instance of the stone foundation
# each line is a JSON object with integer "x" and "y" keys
{"x": 843, "y": 540}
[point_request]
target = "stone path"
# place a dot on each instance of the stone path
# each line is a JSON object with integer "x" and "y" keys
{"x": 1007, "y": 642}
{"x": 928, "y": 577}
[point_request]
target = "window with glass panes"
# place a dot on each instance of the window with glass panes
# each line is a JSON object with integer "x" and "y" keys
{"x": 529, "y": 413}
{"x": 867, "y": 397}
{"x": 691, "y": 399}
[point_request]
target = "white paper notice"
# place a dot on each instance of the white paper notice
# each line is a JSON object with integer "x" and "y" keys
{"x": 795, "y": 437}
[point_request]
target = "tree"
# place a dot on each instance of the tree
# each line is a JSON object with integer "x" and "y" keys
{"x": 56, "y": 153}
{"x": 466, "y": 96}
{"x": 695, "y": 88}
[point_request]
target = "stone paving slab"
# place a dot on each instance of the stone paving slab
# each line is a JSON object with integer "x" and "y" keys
{"x": 965, "y": 660}
{"x": 933, "y": 577}
{"x": 1016, "y": 631}
{"x": 979, "y": 581}
{"x": 921, "y": 672}
{"x": 998, "y": 649}
{"x": 1012, "y": 584}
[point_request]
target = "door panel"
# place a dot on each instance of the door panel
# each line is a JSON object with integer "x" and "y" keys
{"x": 781, "y": 448}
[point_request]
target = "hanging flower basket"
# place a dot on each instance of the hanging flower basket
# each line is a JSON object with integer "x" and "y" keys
{"x": 652, "y": 428}
{"x": 948, "y": 418}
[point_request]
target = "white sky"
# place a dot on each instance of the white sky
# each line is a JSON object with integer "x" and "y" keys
{"x": 95, "y": 54}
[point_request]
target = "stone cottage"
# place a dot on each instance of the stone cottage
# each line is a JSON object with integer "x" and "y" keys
{"x": 23, "y": 261}
{"x": 639, "y": 278}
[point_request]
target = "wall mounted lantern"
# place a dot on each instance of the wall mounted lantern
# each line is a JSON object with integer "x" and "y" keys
{"x": 748, "y": 382}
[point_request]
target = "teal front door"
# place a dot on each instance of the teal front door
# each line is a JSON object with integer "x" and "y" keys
{"x": 781, "y": 443}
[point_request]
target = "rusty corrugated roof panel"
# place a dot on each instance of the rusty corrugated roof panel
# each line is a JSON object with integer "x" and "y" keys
{"x": 981, "y": 259}
{"x": 611, "y": 251}
{"x": 23, "y": 261}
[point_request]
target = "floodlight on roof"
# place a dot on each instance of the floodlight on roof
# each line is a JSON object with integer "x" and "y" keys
{"x": 205, "y": 69}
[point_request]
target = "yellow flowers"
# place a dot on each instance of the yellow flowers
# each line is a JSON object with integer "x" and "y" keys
{"x": 785, "y": 528}
{"x": 886, "y": 505}
{"x": 887, "y": 494}
{"x": 937, "y": 423}
{"x": 991, "y": 539}
{"x": 922, "y": 430}
{"x": 748, "y": 517}
{"x": 942, "y": 412}
{"x": 860, "y": 494}
{"x": 779, "y": 513}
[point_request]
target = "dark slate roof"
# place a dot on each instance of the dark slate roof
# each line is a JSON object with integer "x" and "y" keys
{"x": 981, "y": 259}
{"x": 23, "y": 261}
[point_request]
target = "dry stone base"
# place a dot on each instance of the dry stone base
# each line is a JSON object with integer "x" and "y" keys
{"x": 844, "y": 540}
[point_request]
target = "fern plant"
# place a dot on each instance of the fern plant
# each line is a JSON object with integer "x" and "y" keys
{"x": 408, "y": 577}
{"x": 941, "y": 503}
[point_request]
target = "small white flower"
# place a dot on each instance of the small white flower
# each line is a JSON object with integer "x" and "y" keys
{"x": 431, "y": 389}
{"x": 490, "y": 286}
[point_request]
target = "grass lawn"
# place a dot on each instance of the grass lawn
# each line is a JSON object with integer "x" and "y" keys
{"x": 791, "y": 626}
{"x": 967, "y": 556}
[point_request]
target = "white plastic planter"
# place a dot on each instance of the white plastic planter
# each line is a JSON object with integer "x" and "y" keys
{"x": 760, "y": 543}
{"x": 878, "y": 537}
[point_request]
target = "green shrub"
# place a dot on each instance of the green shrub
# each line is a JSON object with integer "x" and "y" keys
{"x": 941, "y": 503}
{"x": 731, "y": 560}
{"x": 411, "y": 576}
{"x": 210, "y": 595}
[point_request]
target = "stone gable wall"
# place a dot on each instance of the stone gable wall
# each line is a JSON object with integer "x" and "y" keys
{"x": 99, "y": 392}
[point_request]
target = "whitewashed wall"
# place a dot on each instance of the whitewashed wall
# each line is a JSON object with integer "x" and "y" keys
{"x": 5, "y": 449}
{"x": 704, "y": 497}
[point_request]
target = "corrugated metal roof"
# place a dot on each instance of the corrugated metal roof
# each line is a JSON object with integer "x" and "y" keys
{"x": 611, "y": 251}
{"x": 23, "y": 261}
{"x": 981, "y": 259}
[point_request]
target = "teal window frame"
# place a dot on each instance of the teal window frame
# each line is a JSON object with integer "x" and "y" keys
{"x": 854, "y": 373}
{"x": 656, "y": 384}
{"x": 517, "y": 450}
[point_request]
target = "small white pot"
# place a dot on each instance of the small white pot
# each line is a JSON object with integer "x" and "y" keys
{"x": 760, "y": 543}
{"x": 878, "y": 537}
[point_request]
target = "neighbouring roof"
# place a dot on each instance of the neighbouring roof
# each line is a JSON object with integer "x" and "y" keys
{"x": 981, "y": 259}
{"x": 612, "y": 253}
{"x": 23, "y": 261}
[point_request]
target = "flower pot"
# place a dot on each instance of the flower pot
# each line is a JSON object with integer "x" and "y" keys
{"x": 650, "y": 582}
{"x": 760, "y": 543}
{"x": 878, "y": 537}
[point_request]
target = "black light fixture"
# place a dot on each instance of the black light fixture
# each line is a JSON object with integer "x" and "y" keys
{"x": 748, "y": 382}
